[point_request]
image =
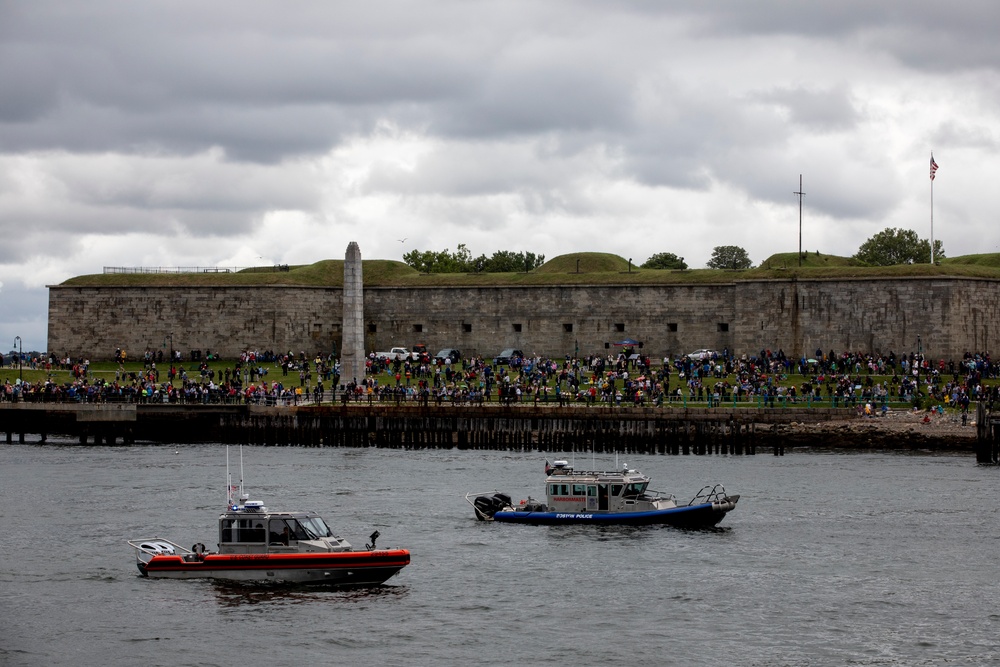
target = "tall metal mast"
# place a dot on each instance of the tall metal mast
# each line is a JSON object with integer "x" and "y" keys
{"x": 800, "y": 194}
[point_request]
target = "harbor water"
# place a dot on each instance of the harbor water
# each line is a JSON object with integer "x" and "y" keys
{"x": 830, "y": 559}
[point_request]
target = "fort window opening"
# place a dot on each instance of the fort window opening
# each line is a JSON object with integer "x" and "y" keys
{"x": 620, "y": 327}
{"x": 418, "y": 328}
{"x": 568, "y": 327}
{"x": 672, "y": 326}
{"x": 373, "y": 328}
{"x": 467, "y": 328}
{"x": 517, "y": 327}
{"x": 723, "y": 326}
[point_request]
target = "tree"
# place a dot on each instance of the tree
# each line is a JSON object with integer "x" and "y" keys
{"x": 428, "y": 261}
{"x": 897, "y": 246}
{"x": 462, "y": 261}
{"x": 729, "y": 257}
{"x": 664, "y": 260}
{"x": 506, "y": 261}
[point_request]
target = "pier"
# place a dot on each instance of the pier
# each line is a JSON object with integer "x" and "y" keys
{"x": 673, "y": 431}
{"x": 987, "y": 436}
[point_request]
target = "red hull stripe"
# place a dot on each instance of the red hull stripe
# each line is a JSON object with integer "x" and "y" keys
{"x": 338, "y": 561}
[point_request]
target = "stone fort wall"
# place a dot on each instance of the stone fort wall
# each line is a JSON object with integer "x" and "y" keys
{"x": 945, "y": 317}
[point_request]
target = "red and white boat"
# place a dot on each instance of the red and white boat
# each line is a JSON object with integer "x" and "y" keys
{"x": 256, "y": 544}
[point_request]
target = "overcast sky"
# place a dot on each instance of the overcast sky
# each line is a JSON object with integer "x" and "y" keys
{"x": 237, "y": 133}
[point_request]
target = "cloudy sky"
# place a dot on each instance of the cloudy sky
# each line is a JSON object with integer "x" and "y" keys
{"x": 237, "y": 133}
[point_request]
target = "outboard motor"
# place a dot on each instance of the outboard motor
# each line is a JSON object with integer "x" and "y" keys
{"x": 504, "y": 499}
{"x": 485, "y": 507}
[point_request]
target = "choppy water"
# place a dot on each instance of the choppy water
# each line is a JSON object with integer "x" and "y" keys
{"x": 830, "y": 559}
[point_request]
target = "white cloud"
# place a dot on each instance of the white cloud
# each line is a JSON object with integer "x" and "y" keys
{"x": 185, "y": 134}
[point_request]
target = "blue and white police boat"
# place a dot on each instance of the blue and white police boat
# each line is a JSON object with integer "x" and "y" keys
{"x": 619, "y": 497}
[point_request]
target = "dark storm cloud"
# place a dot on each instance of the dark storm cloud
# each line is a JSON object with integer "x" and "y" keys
{"x": 819, "y": 110}
{"x": 99, "y": 76}
{"x": 956, "y": 133}
{"x": 924, "y": 34}
{"x": 266, "y": 82}
{"x": 660, "y": 90}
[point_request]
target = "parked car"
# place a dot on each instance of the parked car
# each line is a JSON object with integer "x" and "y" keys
{"x": 448, "y": 353}
{"x": 504, "y": 357}
{"x": 395, "y": 354}
{"x": 699, "y": 355}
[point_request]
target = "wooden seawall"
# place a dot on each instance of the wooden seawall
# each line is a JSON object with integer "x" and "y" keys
{"x": 524, "y": 428}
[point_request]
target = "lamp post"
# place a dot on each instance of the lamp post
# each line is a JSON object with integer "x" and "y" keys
{"x": 920, "y": 354}
{"x": 20, "y": 359}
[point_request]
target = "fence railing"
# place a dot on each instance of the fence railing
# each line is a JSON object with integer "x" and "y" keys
{"x": 196, "y": 269}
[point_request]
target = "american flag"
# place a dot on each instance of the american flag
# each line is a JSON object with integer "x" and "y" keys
{"x": 933, "y": 166}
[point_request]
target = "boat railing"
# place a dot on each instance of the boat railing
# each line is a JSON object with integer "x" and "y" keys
{"x": 147, "y": 548}
{"x": 653, "y": 496}
{"x": 711, "y": 493}
{"x": 570, "y": 472}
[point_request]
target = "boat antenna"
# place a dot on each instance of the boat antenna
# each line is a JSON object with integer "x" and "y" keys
{"x": 241, "y": 472}
{"x": 229, "y": 480}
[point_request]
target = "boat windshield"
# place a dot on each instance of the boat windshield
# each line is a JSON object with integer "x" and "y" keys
{"x": 635, "y": 489}
{"x": 315, "y": 527}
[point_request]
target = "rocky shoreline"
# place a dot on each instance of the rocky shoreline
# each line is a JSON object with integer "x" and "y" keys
{"x": 897, "y": 431}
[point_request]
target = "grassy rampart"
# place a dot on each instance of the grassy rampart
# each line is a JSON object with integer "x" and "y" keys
{"x": 576, "y": 268}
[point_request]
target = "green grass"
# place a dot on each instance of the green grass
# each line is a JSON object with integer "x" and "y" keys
{"x": 576, "y": 268}
{"x": 991, "y": 260}
{"x": 585, "y": 262}
{"x": 810, "y": 260}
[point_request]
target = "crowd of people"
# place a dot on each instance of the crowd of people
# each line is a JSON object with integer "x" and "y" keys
{"x": 244, "y": 381}
{"x": 769, "y": 377}
{"x": 616, "y": 378}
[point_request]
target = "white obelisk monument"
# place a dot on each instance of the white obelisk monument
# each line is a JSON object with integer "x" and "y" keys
{"x": 352, "y": 359}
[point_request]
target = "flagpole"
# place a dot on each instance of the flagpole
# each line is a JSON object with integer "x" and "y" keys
{"x": 934, "y": 169}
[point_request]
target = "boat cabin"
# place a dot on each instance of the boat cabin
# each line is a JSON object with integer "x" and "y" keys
{"x": 252, "y": 529}
{"x": 569, "y": 490}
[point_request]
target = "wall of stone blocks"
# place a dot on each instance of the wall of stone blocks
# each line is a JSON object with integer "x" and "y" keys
{"x": 941, "y": 318}
{"x": 91, "y": 322}
{"x": 950, "y": 316}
